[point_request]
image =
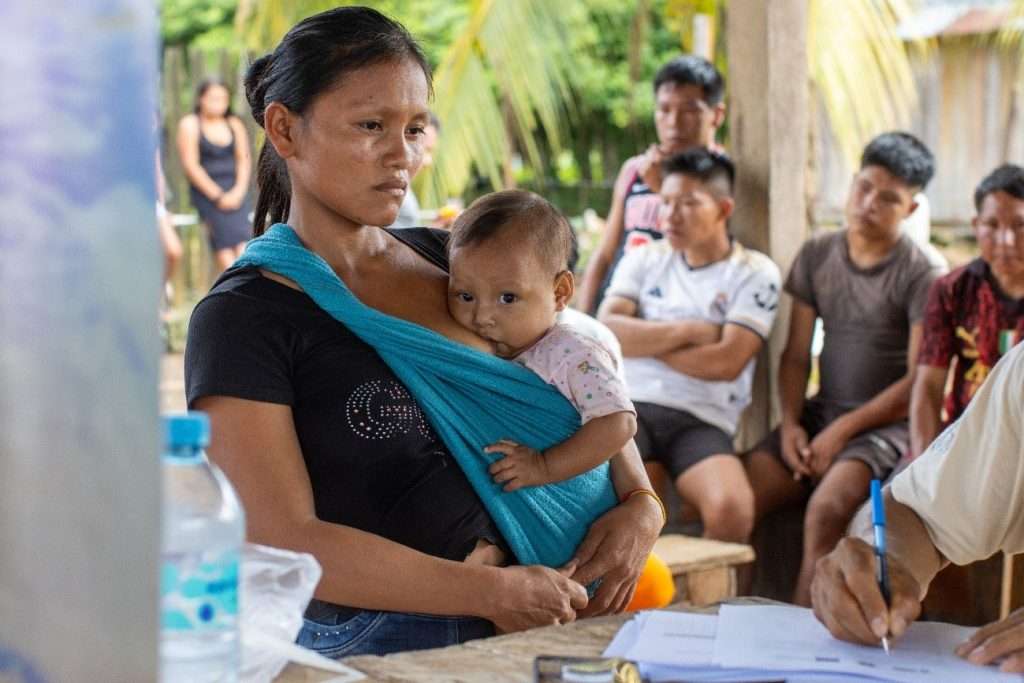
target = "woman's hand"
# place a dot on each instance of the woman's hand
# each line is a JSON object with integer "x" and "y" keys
{"x": 527, "y": 597}
{"x": 847, "y": 600}
{"x": 231, "y": 200}
{"x": 615, "y": 550}
{"x": 1002, "y": 639}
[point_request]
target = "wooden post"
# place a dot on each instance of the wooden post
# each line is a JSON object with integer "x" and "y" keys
{"x": 768, "y": 124}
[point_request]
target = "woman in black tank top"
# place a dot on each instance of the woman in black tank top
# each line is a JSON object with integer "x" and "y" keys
{"x": 214, "y": 151}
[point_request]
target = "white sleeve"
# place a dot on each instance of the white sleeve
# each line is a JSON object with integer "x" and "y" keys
{"x": 968, "y": 487}
{"x": 628, "y": 279}
{"x": 756, "y": 300}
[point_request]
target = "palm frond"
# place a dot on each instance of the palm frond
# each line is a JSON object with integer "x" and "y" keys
{"x": 509, "y": 63}
{"x": 474, "y": 129}
{"x": 1011, "y": 35}
{"x": 861, "y": 68}
{"x": 262, "y": 23}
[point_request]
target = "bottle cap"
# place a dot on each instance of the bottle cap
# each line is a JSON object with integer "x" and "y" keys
{"x": 187, "y": 429}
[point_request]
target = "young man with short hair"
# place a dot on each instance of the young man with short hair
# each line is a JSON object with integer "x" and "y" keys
{"x": 688, "y": 109}
{"x": 976, "y": 313}
{"x": 691, "y": 312}
{"x": 868, "y": 283}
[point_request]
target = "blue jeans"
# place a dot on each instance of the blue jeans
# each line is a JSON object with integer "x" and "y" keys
{"x": 381, "y": 633}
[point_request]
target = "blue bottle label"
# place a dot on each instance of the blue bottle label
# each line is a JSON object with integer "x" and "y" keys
{"x": 199, "y": 592}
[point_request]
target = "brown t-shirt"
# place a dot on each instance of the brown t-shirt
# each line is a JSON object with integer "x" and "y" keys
{"x": 866, "y": 314}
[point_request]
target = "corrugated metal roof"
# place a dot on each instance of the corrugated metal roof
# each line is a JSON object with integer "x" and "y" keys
{"x": 949, "y": 19}
{"x": 977, "y": 21}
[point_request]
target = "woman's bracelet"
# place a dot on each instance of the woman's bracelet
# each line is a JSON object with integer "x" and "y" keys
{"x": 652, "y": 494}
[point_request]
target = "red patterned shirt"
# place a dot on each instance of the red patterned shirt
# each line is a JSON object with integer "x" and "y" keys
{"x": 969, "y": 323}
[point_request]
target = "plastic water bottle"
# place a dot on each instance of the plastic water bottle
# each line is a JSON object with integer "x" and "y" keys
{"x": 203, "y": 532}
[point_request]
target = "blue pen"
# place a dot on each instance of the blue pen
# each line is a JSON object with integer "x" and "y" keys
{"x": 878, "y": 521}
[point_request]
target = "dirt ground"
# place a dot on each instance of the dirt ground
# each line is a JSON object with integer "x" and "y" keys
{"x": 172, "y": 383}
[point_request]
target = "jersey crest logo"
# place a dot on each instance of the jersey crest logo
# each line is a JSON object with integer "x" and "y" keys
{"x": 720, "y": 306}
{"x": 767, "y": 297}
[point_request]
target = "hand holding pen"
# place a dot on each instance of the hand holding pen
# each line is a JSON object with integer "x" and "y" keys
{"x": 848, "y": 594}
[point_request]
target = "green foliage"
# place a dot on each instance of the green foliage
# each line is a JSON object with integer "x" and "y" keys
{"x": 203, "y": 22}
{"x": 577, "y": 102}
{"x": 262, "y": 23}
{"x": 606, "y": 95}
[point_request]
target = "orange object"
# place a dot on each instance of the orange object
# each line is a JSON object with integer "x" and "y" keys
{"x": 656, "y": 588}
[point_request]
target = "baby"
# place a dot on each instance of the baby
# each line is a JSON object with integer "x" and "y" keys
{"x": 508, "y": 257}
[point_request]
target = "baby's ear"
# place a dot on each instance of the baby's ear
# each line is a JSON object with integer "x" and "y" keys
{"x": 565, "y": 287}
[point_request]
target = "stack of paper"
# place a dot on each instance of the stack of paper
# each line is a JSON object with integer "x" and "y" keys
{"x": 762, "y": 643}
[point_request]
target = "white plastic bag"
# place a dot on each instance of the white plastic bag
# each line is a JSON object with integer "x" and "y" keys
{"x": 276, "y": 587}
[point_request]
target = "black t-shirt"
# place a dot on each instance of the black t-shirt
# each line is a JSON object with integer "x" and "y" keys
{"x": 374, "y": 461}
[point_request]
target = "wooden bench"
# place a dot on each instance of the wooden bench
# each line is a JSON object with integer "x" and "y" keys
{"x": 704, "y": 570}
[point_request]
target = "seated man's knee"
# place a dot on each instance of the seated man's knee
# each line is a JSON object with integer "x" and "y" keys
{"x": 728, "y": 515}
{"x": 826, "y": 513}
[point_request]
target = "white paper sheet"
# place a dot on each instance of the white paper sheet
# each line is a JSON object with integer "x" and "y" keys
{"x": 676, "y": 638}
{"x": 791, "y": 638}
{"x": 679, "y": 646}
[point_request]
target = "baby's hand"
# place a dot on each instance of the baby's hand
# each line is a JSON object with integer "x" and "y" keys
{"x": 521, "y": 466}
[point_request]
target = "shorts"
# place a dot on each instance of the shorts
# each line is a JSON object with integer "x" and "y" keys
{"x": 677, "y": 439}
{"x": 880, "y": 449}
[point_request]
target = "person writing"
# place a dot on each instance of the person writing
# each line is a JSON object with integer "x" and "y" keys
{"x": 328, "y": 450}
{"x": 960, "y": 502}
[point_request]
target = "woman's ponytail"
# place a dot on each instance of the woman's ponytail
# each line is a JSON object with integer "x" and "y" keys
{"x": 274, "y": 190}
{"x": 273, "y": 197}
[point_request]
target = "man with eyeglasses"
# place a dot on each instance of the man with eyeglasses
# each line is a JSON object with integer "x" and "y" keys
{"x": 691, "y": 312}
{"x": 976, "y": 313}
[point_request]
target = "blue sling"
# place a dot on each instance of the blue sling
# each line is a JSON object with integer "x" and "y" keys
{"x": 471, "y": 398}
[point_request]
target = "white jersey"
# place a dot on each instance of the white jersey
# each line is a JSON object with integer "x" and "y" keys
{"x": 741, "y": 289}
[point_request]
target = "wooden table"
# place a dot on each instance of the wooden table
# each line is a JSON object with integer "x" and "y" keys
{"x": 501, "y": 659}
{"x": 488, "y": 660}
{"x": 704, "y": 572}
